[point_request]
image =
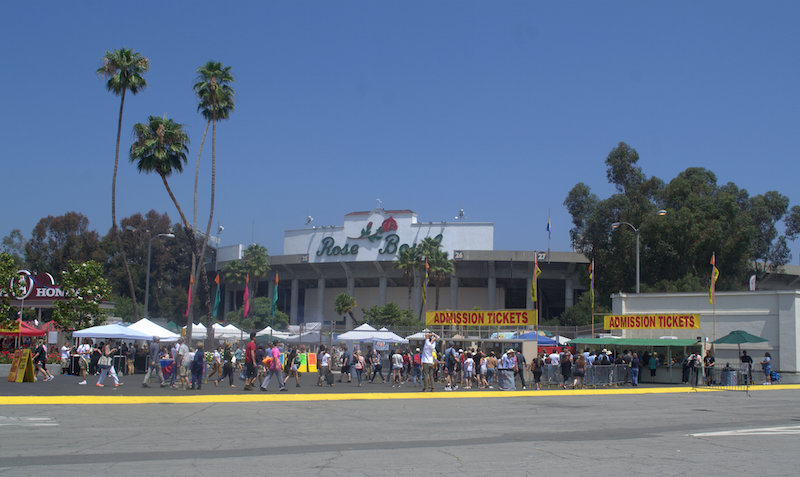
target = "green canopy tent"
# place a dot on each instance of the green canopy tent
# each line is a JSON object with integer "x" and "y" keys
{"x": 738, "y": 337}
{"x": 668, "y": 343}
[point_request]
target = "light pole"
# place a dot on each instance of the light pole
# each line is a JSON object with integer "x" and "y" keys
{"x": 147, "y": 280}
{"x": 616, "y": 225}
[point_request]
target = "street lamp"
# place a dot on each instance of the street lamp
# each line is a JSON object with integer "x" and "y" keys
{"x": 147, "y": 281}
{"x": 616, "y": 225}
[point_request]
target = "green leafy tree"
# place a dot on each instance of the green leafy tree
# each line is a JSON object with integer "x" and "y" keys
{"x": 85, "y": 289}
{"x": 255, "y": 259}
{"x": 389, "y": 315}
{"x": 344, "y": 304}
{"x": 581, "y": 313}
{"x": 234, "y": 273}
{"x": 14, "y": 245}
{"x": 702, "y": 218}
{"x": 57, "y": 240}
{"x": 258, "y": 317}
{"x": 123, "y": 70}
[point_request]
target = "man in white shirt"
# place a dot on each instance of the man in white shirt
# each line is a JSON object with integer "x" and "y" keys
{"x": 555, "y": 358}
{"x": 85, "y": 351}
{"x": 324, "y": 366}
{"x": 64, "y": 358}
{"x": 427, "y": 361}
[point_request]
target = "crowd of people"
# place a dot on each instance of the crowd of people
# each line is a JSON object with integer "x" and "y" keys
{"x": 182, "y": 366}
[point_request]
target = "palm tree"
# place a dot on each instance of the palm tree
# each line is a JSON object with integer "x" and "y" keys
{"x": 123, "y": 70}
{"x": 344, "y": 304}
{"x": 441, "y": 267}
{"x": 235, "y": 274}
{"x": 408, "y": 261}
{"x": 160, "y": 146}
{"x": 216, "y": 102}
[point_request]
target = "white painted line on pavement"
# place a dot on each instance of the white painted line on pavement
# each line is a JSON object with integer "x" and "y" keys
{"x": 27, "y": 421}
{"x": 763, "y": 431}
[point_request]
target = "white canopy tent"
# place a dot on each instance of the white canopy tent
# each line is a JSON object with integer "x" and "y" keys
{"x": 199, "y": 331}
{"x": 366, "y": 332}
{"x": 269, "y": 331}
{"x": 228, "y": 332}
{"x": 146, "y": 326}
{"x": 114, "y": 331}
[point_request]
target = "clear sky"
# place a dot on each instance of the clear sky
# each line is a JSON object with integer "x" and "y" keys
{"x": 499, "y": 107}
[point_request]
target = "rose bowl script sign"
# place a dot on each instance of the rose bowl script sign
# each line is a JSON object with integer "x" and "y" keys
{"x": 482, "y": 317}
{"x": 654, "y": 321}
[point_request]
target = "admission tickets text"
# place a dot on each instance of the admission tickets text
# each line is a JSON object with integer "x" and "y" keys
{"x": 654, "y": 321}
{"x": 482, "y": 318}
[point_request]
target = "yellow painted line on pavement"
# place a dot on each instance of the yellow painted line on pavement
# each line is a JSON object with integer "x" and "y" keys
{"x": 244, "y": 398}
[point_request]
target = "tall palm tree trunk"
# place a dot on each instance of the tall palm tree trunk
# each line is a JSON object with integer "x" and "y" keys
{"x": 114, "y": 230}
{"x": 192, "y": 243}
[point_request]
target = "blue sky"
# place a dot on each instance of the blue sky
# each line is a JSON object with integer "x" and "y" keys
{"x": 497, "y": 107}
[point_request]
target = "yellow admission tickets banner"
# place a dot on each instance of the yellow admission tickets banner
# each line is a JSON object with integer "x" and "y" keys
{"x": 654, "y": 321}
{"x": 481, "y": 317}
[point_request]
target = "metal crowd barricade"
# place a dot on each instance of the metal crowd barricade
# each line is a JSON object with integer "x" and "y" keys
{"x": 728, "y": 378}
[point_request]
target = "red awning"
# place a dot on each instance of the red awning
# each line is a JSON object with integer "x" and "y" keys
{"x": 27, "y": 330}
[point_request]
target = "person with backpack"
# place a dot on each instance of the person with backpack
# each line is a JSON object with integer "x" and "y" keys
{"x": 416, "y": 367}
{"x": 293, "y": 367}
{"x": 359, "y": 363}
{"x": 450, "y": 358}
{"x": 197, "y": 366}
{"x": 347, "y": 359}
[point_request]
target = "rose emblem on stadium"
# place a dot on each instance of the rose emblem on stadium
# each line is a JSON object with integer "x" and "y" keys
{"x": 389, "y": 225}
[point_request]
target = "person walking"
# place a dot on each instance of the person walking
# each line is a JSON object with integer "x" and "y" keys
{"x": 634, "y": 364}
{"x": 40, "y": 361}
{"x": 565, "y": 361}
{"x": 519, "y": 367}
{"x": 347, "y": 359}
{"x": 766, "y": 366}
{"x": 537, "y": 366}
{"x": 359, "y": 364}
{"x": 377, "y": 367}
{"x": 227, "y": 366}
{"x": 154, "y": 363}
{"x": 293, "y": 367}
{"x": 427, "y": 362}
{"x": 216, "y": 363}
{"x": 106, "y": 366}
{"x": 250, "y": 363}
{"x": 274, "y": 368}
{"x": 84, "y": 351}
{"x": 708, "y": 367}
{"x": 397, "y": 368}
{"x": 197, "y": 366}
{"x": 324, "y": 359}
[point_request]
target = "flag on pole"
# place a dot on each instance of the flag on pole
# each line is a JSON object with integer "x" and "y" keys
{"x": 536, "y": 272}
{"x": 275, "y": 296}
{"x": 246, "y": 298}
{"x": 217, "y": 297}
{"x": 425, "y": 288}
{"x": 548, "y": 227}
{"x": 591, "y": 280}
{"x": 189, "y": 299}
{"x": 714, "y": 277}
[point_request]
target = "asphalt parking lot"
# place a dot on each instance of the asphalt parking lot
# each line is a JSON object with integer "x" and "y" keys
{"x": 659, "y": 431}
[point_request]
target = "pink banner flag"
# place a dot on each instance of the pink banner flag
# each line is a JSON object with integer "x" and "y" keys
{"x": 246, "y": 298}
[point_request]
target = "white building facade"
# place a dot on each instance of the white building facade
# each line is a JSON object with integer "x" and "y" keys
{"x": 770, "y": 314}
{"x": 319, "y": 263}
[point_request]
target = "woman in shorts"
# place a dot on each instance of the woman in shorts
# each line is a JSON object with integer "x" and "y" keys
{"x": 537, "y": 366}
{"x": 293, "y": 367}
